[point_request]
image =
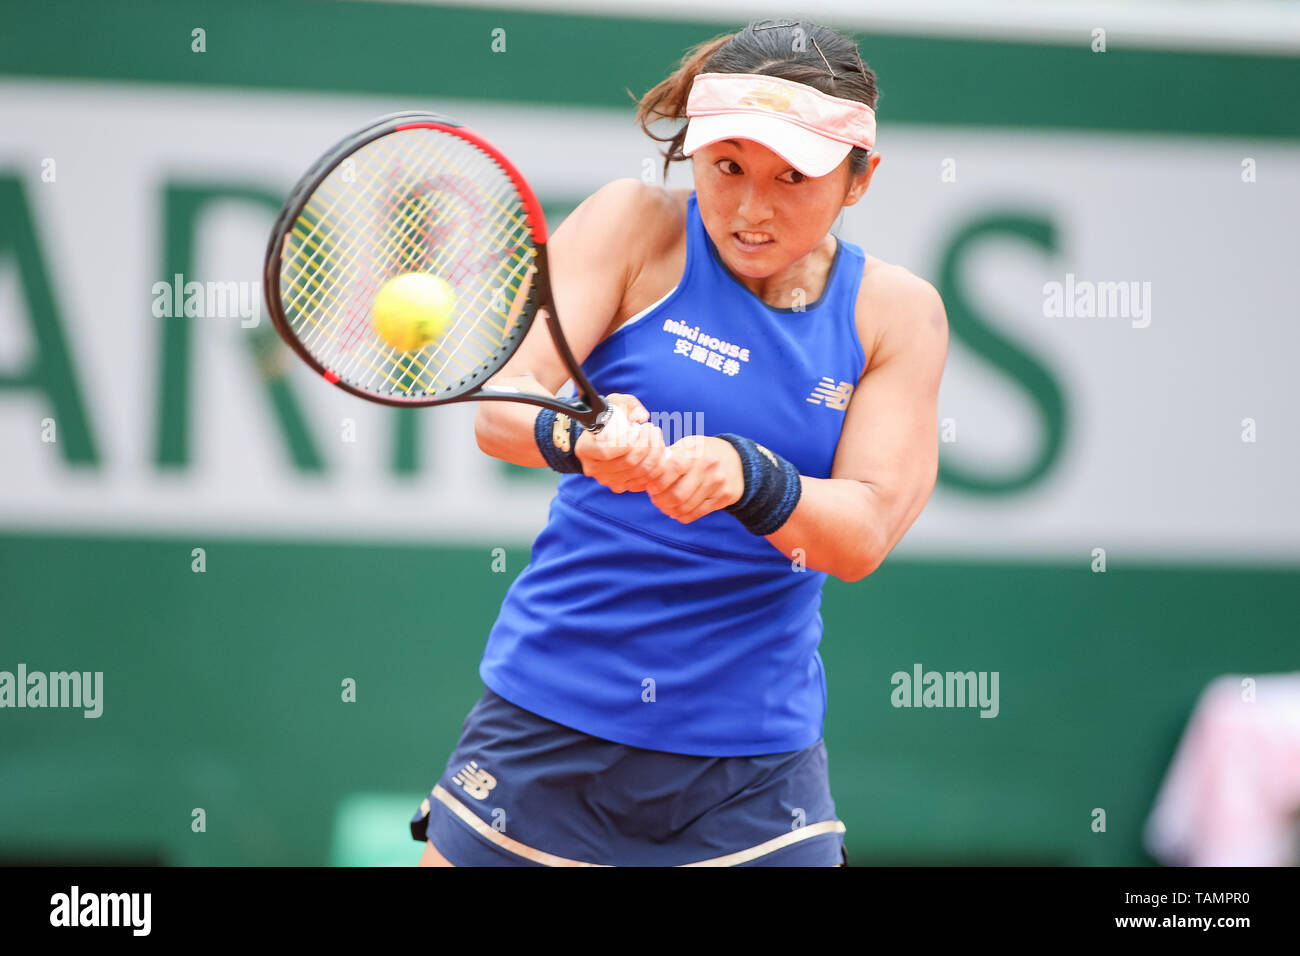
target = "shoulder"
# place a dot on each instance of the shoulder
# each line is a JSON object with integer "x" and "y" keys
{"x": 897, "y": 310}
{"x": 635, "y": 208}
{"x": 631, "y": 220}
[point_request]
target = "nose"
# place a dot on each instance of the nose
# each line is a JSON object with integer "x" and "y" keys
{"x": 755, "y": 205}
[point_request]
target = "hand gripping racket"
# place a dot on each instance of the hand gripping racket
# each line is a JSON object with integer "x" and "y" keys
{"x": 416, "y": 192}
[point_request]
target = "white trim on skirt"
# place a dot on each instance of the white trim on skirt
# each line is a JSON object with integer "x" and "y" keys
{"x": 474, "y": 822}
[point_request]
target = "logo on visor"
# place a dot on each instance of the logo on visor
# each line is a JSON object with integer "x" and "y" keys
{"x": 768, "y": 96}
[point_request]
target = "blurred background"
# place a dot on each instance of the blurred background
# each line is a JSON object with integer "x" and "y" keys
{"x": 229, "y": 541}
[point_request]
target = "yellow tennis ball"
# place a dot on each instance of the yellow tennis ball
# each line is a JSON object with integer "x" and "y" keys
{"x": 412, "y": 310}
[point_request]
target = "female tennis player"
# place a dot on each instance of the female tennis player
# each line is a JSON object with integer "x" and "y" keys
{"x": 654, "y": 695}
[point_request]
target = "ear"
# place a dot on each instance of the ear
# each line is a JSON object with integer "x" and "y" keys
{"x": 858, "y": 184}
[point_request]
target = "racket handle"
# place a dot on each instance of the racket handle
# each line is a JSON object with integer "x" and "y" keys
{"x": 612, "y": 415}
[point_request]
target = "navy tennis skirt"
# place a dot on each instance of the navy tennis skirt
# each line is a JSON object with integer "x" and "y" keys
{"x": 521, "y": 790}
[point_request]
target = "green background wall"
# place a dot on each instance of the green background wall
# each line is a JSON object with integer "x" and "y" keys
{"x": 222, "y": 692}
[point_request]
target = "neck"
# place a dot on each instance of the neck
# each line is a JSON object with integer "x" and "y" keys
{"x": 809, "y": 274}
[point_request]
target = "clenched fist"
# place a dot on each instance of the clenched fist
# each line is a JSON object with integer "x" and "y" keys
{"x": 628, "y": 452}
{"x": 699, "y": 475}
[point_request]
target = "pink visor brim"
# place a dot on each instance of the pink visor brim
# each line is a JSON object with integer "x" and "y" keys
{"x": 807, "y": 152}
{"x": 811, "y": 130}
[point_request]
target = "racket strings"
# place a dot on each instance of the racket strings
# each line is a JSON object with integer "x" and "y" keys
{"x": 418, "y": 200}
{"x": 399, "y": 240}
{"x": 403, "y": 236}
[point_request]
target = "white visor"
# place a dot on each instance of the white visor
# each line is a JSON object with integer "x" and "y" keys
{"x": 810, "y": 153}
{"x": 811, "y": 130}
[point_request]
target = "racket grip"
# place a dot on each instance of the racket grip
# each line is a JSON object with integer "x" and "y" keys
{"x": 613, "y": 417}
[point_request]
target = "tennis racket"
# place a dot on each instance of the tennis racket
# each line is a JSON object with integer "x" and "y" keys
{"x": 417, "y": 192}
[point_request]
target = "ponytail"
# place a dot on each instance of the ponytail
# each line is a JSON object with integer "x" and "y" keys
{"x": 668, "y": 99}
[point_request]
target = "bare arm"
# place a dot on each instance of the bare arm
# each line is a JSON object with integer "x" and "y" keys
{"x": 888, "y": 456}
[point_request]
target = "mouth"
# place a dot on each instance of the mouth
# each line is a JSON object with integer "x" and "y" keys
{"x": 751, "y": 241}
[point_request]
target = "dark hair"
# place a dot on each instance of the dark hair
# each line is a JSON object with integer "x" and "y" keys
{"x": 791, "y": 49}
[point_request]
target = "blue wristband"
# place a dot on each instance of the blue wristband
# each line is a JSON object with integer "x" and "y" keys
{"x": 772, "y": 486}
{"x": 557, "y": 437}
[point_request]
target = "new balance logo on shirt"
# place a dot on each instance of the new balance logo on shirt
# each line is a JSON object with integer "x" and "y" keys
{"x": 832, "y": 395}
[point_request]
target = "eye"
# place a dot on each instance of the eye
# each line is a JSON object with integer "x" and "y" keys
{"x": 796, "y": 173}
{"x": 732, "y": 161}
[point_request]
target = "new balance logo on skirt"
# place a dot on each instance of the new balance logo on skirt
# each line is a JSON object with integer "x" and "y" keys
{"x": 475, "y": 781}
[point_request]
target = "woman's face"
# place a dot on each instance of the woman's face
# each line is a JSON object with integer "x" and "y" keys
{"x": 745, "y": 191}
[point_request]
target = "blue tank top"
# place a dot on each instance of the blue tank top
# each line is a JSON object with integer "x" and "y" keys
{"x": 698, "y": 638}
